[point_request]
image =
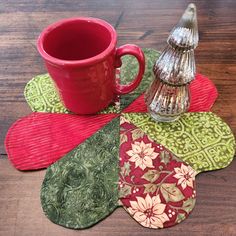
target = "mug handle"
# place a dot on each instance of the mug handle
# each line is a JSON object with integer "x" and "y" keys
{"x": 130, "y": 49}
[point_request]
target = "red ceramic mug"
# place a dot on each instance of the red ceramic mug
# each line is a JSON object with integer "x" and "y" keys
{"x": 81, "y": 57}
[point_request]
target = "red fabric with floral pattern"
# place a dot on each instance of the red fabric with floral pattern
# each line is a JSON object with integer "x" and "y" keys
{"x": 156, "y": 188}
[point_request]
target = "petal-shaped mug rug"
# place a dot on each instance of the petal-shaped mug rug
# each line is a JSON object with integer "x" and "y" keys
{"x": 39, "y": 139}
{"x": 80, "y": 189}
{"x": 155, "y": 187}
{"x": 203, "y": 96}
{"x": 201, "y": 139}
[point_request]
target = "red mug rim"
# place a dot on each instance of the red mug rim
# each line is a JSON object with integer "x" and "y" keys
{"x": 88, "y": 61}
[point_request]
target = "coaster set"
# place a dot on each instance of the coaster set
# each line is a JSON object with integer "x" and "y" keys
{"x": 119, "y": 157}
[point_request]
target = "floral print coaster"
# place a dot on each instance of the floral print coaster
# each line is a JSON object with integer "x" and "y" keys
{"x": 201, "y": 139}
{"x": 156, "y": 188}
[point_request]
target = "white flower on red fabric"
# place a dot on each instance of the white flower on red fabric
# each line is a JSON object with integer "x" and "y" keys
{"x": 149, "y": 211}
{"x": 185, "y": 175}
{"x": 123, "y": 120}
{"x": 142, "y": 154}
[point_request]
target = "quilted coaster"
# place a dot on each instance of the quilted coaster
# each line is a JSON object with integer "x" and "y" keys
{"x": 39, "y": 139}
{"x": 204, "y": 95}
{"x": 81, "y": 189}
{"x": 156, "y": 188}
{"x": 41, "y": 94}
{"x": 202, "y": 139}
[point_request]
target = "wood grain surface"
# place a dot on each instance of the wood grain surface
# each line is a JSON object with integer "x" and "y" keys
{"x": 143, "y": 22}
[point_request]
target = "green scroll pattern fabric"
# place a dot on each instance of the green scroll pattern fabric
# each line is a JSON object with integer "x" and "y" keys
{"x": 200, "y": 139}
{"x": 41, "y": 95}
{"x": 130, "y": 69}
{"x": 81, "y": 189}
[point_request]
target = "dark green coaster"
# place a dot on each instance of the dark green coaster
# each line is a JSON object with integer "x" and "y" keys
{"x": 81, "y": 189}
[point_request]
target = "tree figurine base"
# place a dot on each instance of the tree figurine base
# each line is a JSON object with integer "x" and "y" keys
{"x": 161, "y": 118}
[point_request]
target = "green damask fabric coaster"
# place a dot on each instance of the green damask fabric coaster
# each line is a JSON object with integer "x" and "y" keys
{"x": 202, "y": 140}
{"x": 81, "y": 188}
{"x": 41, "y": 94}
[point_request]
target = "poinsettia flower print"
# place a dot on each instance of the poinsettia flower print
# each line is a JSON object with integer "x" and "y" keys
{"x": 123, "y": 120}
{"x": 142, "y": 154}
{"x": 185, "y": 175}
{"x": 149, "y": 211}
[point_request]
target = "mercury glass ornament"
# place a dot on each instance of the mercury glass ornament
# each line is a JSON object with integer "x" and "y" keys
{"x": 168, "y": 96}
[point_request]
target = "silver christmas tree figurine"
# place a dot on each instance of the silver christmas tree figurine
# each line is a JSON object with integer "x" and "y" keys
{"x": 168, "y": 96}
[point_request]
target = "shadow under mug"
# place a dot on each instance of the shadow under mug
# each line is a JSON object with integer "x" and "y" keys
{"x": 81, "y": 57}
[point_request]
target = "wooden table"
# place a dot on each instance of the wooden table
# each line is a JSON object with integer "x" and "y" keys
{"x": 143, "y": 22}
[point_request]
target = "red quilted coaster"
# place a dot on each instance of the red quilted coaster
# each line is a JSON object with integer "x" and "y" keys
{"x": 156, "y": 188}
{"x": 38, "y": 140}
{"x": 203, "y": 96}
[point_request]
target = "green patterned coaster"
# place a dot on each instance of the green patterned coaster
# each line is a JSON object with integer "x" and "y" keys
{"x": 41, "y": 94}
{"x": 81, "y": 189}
{"x": 200, "y": 139}
{"x": 130, "y": 68}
